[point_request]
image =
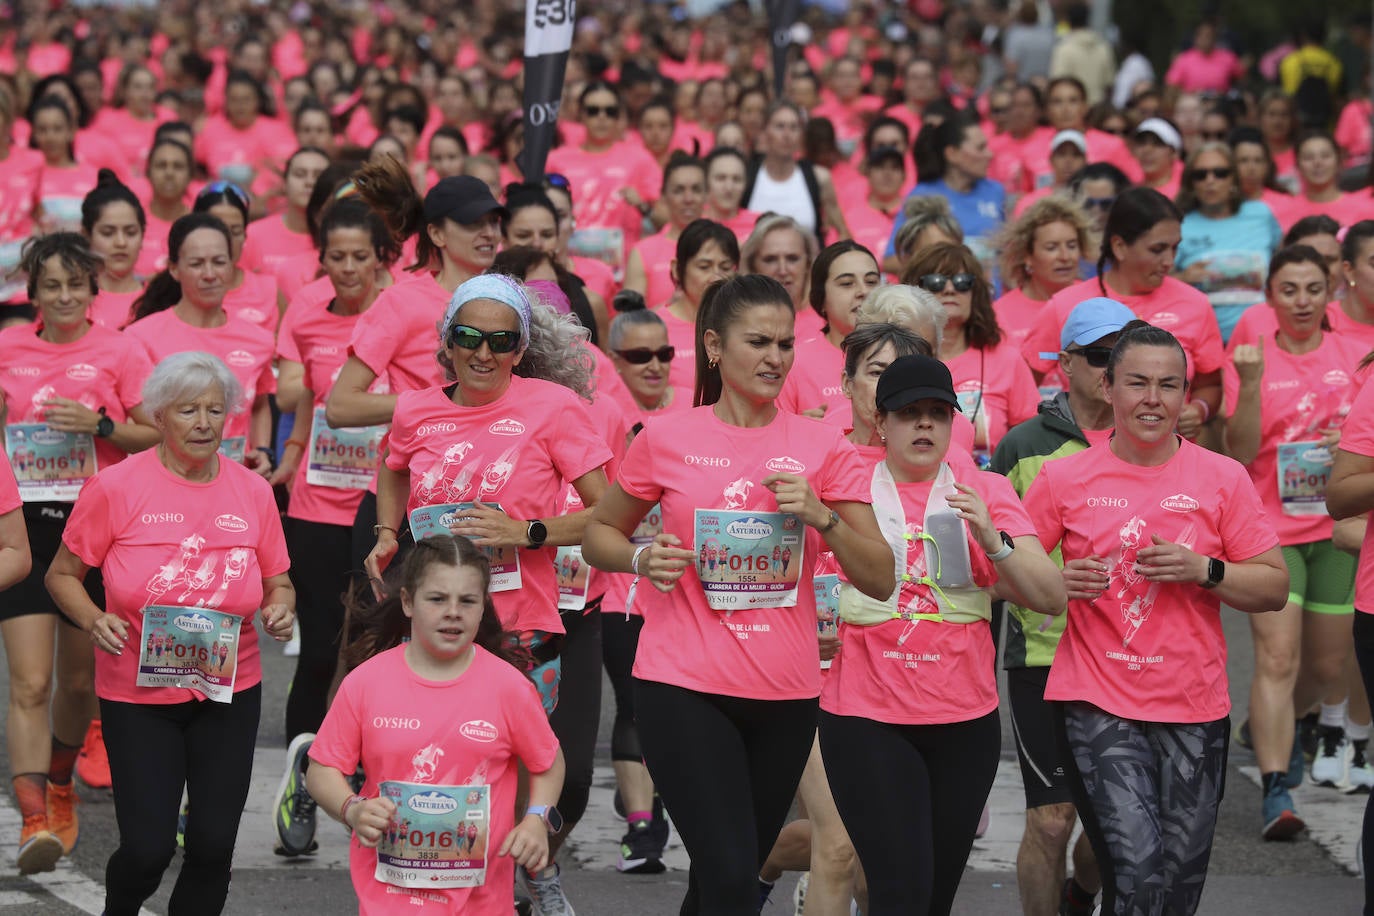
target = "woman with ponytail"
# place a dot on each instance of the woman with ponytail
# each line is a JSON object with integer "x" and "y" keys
{"x": 113, "y": 222}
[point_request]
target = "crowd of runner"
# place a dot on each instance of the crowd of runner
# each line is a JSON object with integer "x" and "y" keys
{"x": 982, "y": 344}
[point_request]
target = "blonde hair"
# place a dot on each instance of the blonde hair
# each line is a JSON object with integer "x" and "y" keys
{"x": 1017, "y": 239}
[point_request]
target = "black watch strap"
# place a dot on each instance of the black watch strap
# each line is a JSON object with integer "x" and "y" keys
{"x": 1216, "y": 571}
{"x": 104, "y": 427}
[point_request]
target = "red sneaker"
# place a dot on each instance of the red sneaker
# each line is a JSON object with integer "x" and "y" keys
{"x": 62, "y": 819}
{"x": 39, "y": 847}
{"x": 92, "y": 764}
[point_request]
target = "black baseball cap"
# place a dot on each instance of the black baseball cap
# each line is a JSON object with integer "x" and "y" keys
{"x": 461, "y": 198}
{"x": 915, "y": 378}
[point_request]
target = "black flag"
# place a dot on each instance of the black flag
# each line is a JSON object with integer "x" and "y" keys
{"x": 782, "y": 14}
{"x": 548, "y": 36}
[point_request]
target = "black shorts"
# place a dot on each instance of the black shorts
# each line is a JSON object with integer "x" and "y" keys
{"x": 1033, "y": 729}
{"x": 45, "y": 523}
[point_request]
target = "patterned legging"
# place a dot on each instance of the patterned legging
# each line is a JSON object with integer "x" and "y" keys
{"x": 1148, "y": 795}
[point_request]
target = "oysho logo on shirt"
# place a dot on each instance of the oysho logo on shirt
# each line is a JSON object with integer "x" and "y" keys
{"x": 1179, "y": 502}
{"x": 239, "y": 358}
{"x": 507, "y": 427}
{"x": 430, "y": 429}
{"x": 162, "y": 518}
{"x": 1336, "y": 378}
{"x": 401, "y": 722}
{"x": 706, "y": 461}
{"x": 1108, "y": 502}
{"x": 82, "y": 372}
{"x": 785, "y": 464}
{"x": 1283, "y": 385}
{"x": 479, "y": 730}
{"x": 322, "y": 350}
{"x": 26, "y": 371}
{"x": 229, "y": 522}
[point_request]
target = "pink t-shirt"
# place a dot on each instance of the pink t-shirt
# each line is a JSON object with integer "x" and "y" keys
{"x": 995, "y": 389}
{"x": 246, "y": 349}
{"x": 1153, "y": 652}
{"x": 1010, "y": 155}
{"x": 63, "y": 191}
{"x": 682, "y": 335}
{"x": 868, "y": 226}
{"x": 517, "y": 451}
{"x": 609, "y": 384}
{"x": 158, "y": 538}
{"x": 1258, "y": 321}
{"x": 1358, "y": 439}
{"x": 113, "y": 310}
{"x": 1354, "y": 132}
{"x": 21, "y": 174}
{"x": 815, "y": 380}
{"x": 303, "y": 306}
{"x": 9, "y": 490}
{"x": 849, "y": 118}
{"x": 910, "y": 672}
{"x": 270, "y": 245}
{"x": 1102, "y": 147}
{"x": 474, "y": 727}
{"x": 1301, "y": 396}
{"x": 131, "y": 138}
{"x": 1175, "y": 306}
{"x": 1017, "y": 314}
{"x": 229, "y": 153}
{"x": 1194, "y": 71}
{"x": 254, "y": 301}
{"x": 599, "y": 178}
{"x": 1348, "y": 209}
{"x": 399, "y": 334}
{"x": 656, "y": 253}
{"x": 152, "y": 257}
{"x": 101, "y": 369}
{"x": 689, "y": 461}
{"x": 742, "y": 223}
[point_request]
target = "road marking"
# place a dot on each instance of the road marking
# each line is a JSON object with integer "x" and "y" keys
{"x": 1334, "y": 820}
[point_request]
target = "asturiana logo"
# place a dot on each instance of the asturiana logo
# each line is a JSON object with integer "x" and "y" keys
{"x": 479, "y": 730}
{"x": 194, "y": 623}
{"x": 229, "y": 522}
{"x": 1336, "y": 378}
{"x": 749, "y": 529}
{"x": 1320, "y": 455}
{"x": 432, "y": 802}
{"x": 1179, "y": 502}
{"x": 47, "y": 437}
{"x": 786, "y": 464}
{"x": 81, "y": 372}
{"x": 507, "y": 426}
{"x": 239, "y": 358}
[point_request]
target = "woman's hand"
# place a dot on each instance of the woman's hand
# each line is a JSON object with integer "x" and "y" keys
{"x": 1249, "y": 362}
{"x": 487, "y": 526}
{"x": 258, "y": 461}
{"x": 68, "y": 416}
{"x": 830, "y": 646}
{"x": 109, "y": 633}
{"x": 379, "y": 558}
{"x": 369, "y": 818}
{"x": 1166, "y": 561}
{"x": 528, "y": 843}
{"x": 970, "y": 507}
{"x": 1331, "y": 437}
{"x": 794, "y": 495}
{"x": 1086, "y": 579}
{"x": 1191, "y": 419}
{"x": 278, "y": 620}
{"x": 1195, "y": 272}
{"x": 665, "y": 561}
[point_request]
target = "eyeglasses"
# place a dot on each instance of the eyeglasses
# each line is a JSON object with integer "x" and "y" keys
{"x": 1222, "y": 174}
{"x": 1098, "y": 203}
{"x": 640, "y": 356}
{"x": 1097, "y": 357}
{"x": 225, "y": 187}
{"x": 610, "y": 111}
{"x": 460, "y": 335}
{"x": 935, "y": 283}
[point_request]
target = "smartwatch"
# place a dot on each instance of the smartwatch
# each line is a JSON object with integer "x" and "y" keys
{"x": 1216, "y": 571}
{"x": 537, "y": 534}
{"x": 553, "y": 821}
{"x": 104, "y": 427}
{"x": 1007, "y": 548}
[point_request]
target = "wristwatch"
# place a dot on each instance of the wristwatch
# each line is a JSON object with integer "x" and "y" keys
{"x": 104, "y": 427}
{"x": 537, "y": 534}
{"x": 1216, "y": 571}
{"x": 1007, "y": 548}
{"x": 553, "y": 821}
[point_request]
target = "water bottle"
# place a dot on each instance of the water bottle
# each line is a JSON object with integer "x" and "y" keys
{"x": 947, "y": 556}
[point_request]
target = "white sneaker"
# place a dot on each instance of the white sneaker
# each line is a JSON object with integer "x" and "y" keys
{"x": 1331, "y": 766}
{"x": 546, "y": 892}
{"x": 1361, "y": 774}
{"x": 292, "y": 647}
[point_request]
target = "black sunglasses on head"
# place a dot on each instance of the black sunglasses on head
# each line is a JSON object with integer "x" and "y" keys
{"x": 460, "y": 335}
{"x": 640, "y": 356}
{"x": 1097, "y": 357}
{"x": 935, "y": 283}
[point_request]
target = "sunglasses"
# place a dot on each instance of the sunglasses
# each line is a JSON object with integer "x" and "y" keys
{"x": 640, "y": 356}
{"x": 935, "y": 283}
{"x": 225, "y": 187}
{"x": 610, "y": 111}
{"x": 1098, "y": 203}
{"x": 460, "y": 335}
{"x": 1200, "y": 174}
{"x": 1097, "y": 357}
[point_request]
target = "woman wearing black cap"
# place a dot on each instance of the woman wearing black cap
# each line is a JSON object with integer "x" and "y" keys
{"x": 908, "y": 725}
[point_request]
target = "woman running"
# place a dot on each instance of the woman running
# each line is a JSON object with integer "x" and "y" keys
{"x": 113, "y": 221}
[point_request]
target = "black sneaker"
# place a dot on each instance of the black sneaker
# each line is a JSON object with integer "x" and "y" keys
{"x": 640, "y": 853}
{"x": 1068, "y": 908}
{"x": 659, "y": 825}
{"x": 1307, "y": 735}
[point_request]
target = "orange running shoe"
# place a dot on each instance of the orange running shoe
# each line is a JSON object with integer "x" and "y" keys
{"x": 62, "y": 819}
{"x": 92, "y": 764}
{"x": 39, "y": 847}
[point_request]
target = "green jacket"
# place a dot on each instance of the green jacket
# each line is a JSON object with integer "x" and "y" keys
{"x": 1023, "y": 451}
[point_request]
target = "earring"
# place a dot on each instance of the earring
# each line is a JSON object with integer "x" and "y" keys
{"x": 711, "y": 363}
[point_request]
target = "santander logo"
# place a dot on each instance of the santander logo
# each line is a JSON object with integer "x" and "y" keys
{"x": 239, "y": 358}
{"x": 1179, "y": 502}
{"x": 507, "y": 427}
{"x": 229, "y": 522}
{"x": 785, "y": 464}
{"x": 479, "y": 730}
{"x": 81, "y": 372}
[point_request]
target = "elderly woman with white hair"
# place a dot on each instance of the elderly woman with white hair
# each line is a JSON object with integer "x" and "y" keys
{"x": 190, "y": 547}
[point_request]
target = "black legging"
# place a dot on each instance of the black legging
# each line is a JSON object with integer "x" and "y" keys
{"x": 910, "y": 797}
{"x": 319, "y": 572}
{"x": 727, "y": 769}
{"x": 1364, "y": 654}
{"x": 578, "y": 714}
{"x": 619, "y": 642}
{"x": 154, "y": 751}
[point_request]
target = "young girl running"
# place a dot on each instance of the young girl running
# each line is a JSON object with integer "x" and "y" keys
{"x": 437, "y": 754}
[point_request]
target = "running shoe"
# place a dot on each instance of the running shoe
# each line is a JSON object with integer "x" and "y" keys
{"x": 1067, "y": 906}
{"x": 799, "y": 894}
{"x": 293, "y": 815}
{"x": 1307, "y": 730}
{"x": 1331, "y": 766}
{"x": 1361, "y": 775}
{"x": 92, "y": 764}
{"x": 659, "y": 825}
{"x": 546, "y": 892}
{"x": 39, "y": 847}
{"x": 62, "y": 819}
{"x": 182, "y": 817}
{"x": 640, "y": 853}
{"x": 1241, "y": 735}
{"x": 1281, "y": 821}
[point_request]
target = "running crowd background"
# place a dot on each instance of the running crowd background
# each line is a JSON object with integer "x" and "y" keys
{"x": 966, "y": 244}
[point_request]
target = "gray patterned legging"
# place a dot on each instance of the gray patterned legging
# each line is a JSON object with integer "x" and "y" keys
{"x": 1147, "y": 794}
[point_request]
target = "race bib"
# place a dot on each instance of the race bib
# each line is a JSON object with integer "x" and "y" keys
{"x": 574, "y": 577}
{"x": 428, "y": 521}
{"x": 234, "y": 448}
{"x": 49, "y": 466}
{"x": 196, "y": 648}
{"x": 649, "y": 527}
{"x": 1303, "y": 471}
{"x": 437, "y": 837}
{"x": 601, "y": 244}
{"x": 748, "y": 560}
{"x": 827, "y": 588}
{"x": 342, "y": 458}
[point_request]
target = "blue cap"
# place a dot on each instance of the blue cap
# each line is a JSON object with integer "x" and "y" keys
{"x": 1092, "y": 320}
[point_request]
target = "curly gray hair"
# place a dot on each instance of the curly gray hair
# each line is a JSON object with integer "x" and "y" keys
{"x": 555, "y": 352}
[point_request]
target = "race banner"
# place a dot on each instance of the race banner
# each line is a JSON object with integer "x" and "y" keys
{"x": 782, "y": 15}
{"x": 548, "y": 36}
